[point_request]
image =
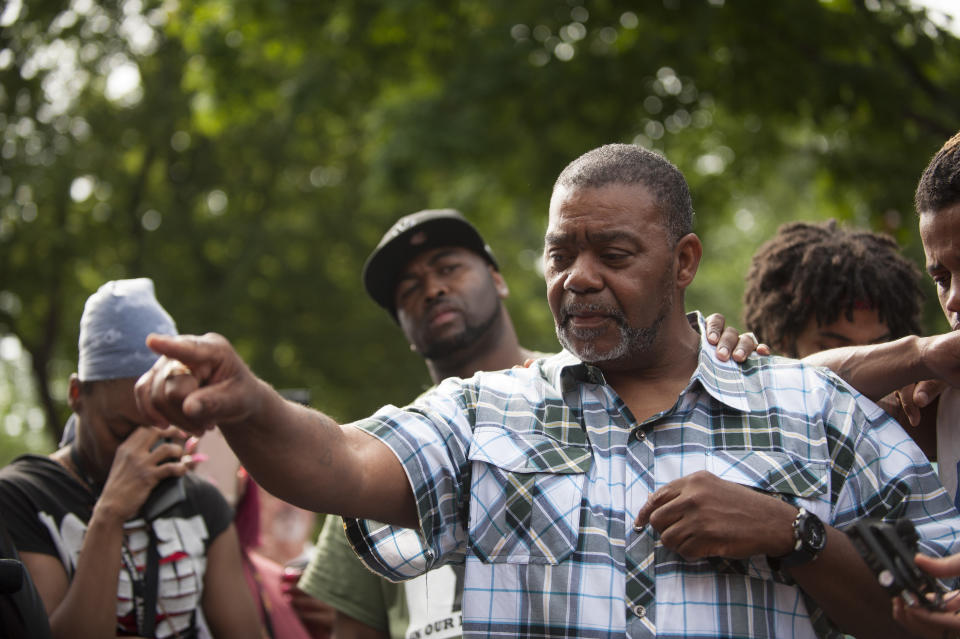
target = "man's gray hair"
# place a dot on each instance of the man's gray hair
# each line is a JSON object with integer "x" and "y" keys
{"x": 630, "y": 164}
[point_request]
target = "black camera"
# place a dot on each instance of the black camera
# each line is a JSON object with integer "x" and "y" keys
{"x": 889, "y": 550}
{"x": 167, "y": 493}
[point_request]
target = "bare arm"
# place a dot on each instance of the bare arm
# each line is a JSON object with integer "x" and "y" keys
{"x": 87, "y": 606}
{"x": 296, "y": 453}
{"x": 879, "y": 369}
{"x": 227, "y": 603}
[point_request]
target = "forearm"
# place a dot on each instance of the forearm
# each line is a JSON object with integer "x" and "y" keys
{"x": 304, "y": 457}
{"x": 842, "y": 584}
{"x": 89, "y": 607}
{"x": 877, "y": 369}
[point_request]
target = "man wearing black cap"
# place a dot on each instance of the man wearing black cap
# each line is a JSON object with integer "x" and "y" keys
{"x": 439, "y": 280}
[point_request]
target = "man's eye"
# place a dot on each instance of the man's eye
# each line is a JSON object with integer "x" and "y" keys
{"x": 614, "y": 257}
{"x": 405, "y": 290}
{"x": 447, "y": 269}
{"x": 557, "y": 260}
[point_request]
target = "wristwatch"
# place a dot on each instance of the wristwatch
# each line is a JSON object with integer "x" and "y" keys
{"x": 810, "y": 537}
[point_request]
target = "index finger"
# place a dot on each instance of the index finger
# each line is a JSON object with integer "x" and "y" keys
{"x": 661, "y": 496}
{"x": 196, "y": 352}
{"x": 926, "y": 391}
{"x": 948, "y": 566}
{"x": 715, "y": 323}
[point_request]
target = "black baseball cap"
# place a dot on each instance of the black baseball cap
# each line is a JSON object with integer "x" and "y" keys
{"x": 408, "y": 237}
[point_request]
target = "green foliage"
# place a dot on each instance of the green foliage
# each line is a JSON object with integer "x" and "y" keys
{"x": 267, "y": 146}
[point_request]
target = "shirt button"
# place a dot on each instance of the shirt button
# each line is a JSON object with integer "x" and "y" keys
{"x": 639, "y": 611}
{"x": 640, "y": 435}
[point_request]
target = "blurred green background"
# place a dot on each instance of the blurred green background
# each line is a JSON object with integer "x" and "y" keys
{"x": 248, "y": 155}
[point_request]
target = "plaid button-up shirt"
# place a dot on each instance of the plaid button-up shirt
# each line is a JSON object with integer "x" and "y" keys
{"x": 533, "y": 478}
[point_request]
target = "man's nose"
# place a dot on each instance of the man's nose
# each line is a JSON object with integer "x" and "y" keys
{"x": 583, "y": 275}
{"x": 435, "y": 287}
{"x": 953, "y": 296}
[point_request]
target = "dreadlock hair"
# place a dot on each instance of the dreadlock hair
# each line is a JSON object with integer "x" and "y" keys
{"x": 818, "y": 271}
{"x": 631, "y": 165}
{"x": 939, "y": 186}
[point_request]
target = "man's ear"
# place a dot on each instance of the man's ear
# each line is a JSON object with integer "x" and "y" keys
{"x": 502, "y": 289}
{"x": 74, "y": 395}
{"x": 688, "y": 252}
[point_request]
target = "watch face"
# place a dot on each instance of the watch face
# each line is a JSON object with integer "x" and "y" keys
{"x": 814, "y": 535}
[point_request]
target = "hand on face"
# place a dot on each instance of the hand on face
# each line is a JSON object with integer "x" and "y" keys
{"x": 138, "y": 466}
{"x": 701, "y": 515}
{"x": 217, "y": 388}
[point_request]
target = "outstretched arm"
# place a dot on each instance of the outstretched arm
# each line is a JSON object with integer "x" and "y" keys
{"x": 296, "y": 453}
{"x": 878, "y": 369}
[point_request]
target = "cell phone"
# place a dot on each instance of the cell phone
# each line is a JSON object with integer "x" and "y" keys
{"x": 166, "y": 494}
{"x": 889, "y": 550}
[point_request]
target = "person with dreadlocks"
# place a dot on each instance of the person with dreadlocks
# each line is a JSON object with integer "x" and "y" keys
{"x": 796, "y": 282}
{"x": 818, "y": 286}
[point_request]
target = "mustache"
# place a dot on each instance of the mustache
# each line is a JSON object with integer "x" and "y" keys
{"x": 443, "y": 302}
{"x": 577, "y": 308}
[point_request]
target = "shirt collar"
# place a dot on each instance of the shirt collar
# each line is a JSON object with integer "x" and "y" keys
{"x": 722, "y": 380}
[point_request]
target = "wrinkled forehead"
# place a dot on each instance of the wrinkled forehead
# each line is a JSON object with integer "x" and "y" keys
{"x": 614, "y": 208}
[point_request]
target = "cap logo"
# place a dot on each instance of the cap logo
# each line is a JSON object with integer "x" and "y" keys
{"x": 418, "y": 238}
{"x": 399, "y": 228}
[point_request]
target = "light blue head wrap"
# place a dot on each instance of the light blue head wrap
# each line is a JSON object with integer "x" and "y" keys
{"x": 113, "y": 330}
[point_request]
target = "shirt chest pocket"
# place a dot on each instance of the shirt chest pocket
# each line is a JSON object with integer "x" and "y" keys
{"x": 801, "y": 480}
{"x": 525, "y": 496}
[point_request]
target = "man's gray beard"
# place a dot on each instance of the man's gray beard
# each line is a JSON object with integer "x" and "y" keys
{"x": 633, "y": 341}
{"x": 471, "y": 333}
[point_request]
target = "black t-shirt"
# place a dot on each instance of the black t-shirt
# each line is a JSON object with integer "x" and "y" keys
{"x": 21, "y": 610}
{"x": 46, "y": 510}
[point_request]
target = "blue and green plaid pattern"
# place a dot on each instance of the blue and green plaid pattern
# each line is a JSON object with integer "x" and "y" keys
{"x": 533, "y": 478}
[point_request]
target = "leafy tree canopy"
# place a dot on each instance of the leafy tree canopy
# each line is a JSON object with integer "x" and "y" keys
{"x": 248, "y": 155}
